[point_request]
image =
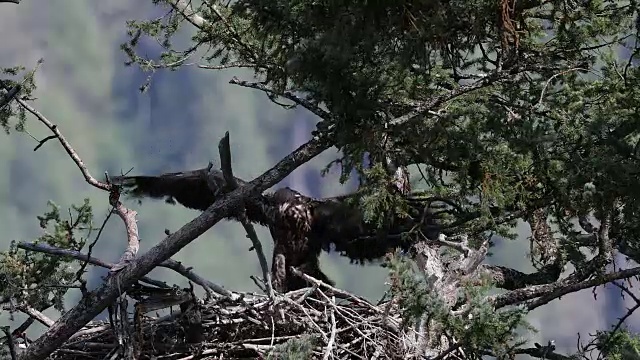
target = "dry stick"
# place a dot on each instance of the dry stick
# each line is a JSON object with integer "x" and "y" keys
{"x": 332, "y": 337}
{"x": 348, "y": 295}
{"x": 48, "y": 249}
{"x": 128, "y": 216}
{"x": 224, "y": 148}
{"x": 37, "y": 315}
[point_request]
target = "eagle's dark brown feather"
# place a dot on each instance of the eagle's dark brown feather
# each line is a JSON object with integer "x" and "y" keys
{"x": 188, "y": 188}
{"x": 301, "y": 227}
{"x": 293, "y": 244}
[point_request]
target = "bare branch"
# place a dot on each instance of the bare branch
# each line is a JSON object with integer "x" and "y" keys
{"x": 185, "y": 9}
{"x": 511, "y": 279}
{"x": 224, "y": 148}
{"x": 543, "y": 352}
{"x": 66, "y": 145}
{"x": 549, "y": 292}
{"x": 129, "y": 218}
{"x": 235, "y": 65}
{"x": 546, "y": 85}
{"x": 35, "y": 314}
{"x": 624, "y": 318}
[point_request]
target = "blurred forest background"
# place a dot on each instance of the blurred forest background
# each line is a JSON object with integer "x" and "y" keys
{"x": 85, "y": 88}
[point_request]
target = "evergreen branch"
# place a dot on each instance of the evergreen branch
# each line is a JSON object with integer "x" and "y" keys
{"x": 48, "y": 249}
{"x": 426, "y": 106}
{"x": 323, "y": 114}
{"x": 11, "y": 93}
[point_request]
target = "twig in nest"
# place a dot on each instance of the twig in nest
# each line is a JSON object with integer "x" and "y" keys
{"x": 332, "y": 337}
{"x": 344, "y": 294}
{"x": 224, "y": 148}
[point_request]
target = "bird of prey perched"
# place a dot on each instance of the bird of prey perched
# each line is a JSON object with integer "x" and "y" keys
{"x": 286, "y": 213}
{"x": 301, "y": 226}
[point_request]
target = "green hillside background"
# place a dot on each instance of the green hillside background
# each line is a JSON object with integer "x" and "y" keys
{"x": 84, "y": 88}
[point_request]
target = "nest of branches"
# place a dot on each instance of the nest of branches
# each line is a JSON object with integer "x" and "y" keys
{"x": 316, "y": 322}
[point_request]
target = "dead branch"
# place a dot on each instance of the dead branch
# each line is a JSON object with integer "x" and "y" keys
{"x": 66, "y": 145}
{"x": 224, "y": 148}
{"x": 549, "y": 292}
{"x": 511, "y": 279}
{"x": 544, "y": 352}
{"x": 128, "y": 216}
{"x": 35, "y": 314}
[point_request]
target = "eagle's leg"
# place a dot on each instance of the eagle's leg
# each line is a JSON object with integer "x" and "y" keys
{"x": 279, "y": 272}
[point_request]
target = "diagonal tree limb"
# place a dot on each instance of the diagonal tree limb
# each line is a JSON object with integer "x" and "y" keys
{"x": 97, "y": 300}
{"x": 539, "y": 295}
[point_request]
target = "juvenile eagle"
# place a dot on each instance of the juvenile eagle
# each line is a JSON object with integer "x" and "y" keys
{"x": 301, "y": 226}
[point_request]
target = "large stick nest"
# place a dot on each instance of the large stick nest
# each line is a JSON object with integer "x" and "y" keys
{"x": 311, "y": 321}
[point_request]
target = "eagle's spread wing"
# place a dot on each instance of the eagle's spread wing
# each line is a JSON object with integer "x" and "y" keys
{"x": 189, "y": 188}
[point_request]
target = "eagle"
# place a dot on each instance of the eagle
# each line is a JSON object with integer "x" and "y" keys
{"x": 301, "y": 226}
